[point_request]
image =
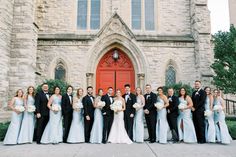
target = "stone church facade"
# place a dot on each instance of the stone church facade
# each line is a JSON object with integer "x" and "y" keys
{"x": 166, "y": 41}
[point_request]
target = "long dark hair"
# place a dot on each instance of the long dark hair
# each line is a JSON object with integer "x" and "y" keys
{"x": 55, "y": 89}
{"x": 185, "y": 95}
{"x": 33, "y": 94}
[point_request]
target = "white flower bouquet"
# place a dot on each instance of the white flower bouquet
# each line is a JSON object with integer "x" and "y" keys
{"x": 31, "y": 108}
{"x": 101, "y": 104}
{"x": 159, "y": 105}
{"x": 217, "y": 107}
{"x": 116, "y": 106}
{"x": 137, "y": 106}
{"x": 182, "y": 106}
{"x": 78, "y": 106}
{"x": 207, "y": 113}
{"x": 20, "y": 108}
{"x": 56, "y": 107}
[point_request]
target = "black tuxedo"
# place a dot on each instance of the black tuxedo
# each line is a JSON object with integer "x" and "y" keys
{"x": 67, "y": 112}
{"x": 41, "y": 102}
{"x": 172, "y": 115}
{"x": 129, "y": 121}
{"x": 151, "y": 118}
{"x": 108, "y": 116}
{"x": 199, "y": 98}
{"x": 88, "y": 111}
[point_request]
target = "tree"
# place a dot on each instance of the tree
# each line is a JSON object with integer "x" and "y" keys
{"x": 224, "y": 65}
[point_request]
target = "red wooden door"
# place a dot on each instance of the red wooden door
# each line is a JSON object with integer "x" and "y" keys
{"x": 116, "y": 74}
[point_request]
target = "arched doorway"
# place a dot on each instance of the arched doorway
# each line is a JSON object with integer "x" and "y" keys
{"x": 115, "y": 73}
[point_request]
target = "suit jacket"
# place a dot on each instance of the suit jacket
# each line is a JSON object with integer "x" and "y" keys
{"x": 106, "y": 109}
{"x": 150, "y": 100}
{"x": 66, "y": 105}
{"x": 41, "y": 102}
{"x": 199, "y": 100}
{"x": 88, "y": 106}
{"x": 129, "y": 104}
{"x": 173, "y": 105}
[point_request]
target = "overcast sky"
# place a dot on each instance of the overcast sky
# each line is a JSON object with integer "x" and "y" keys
{"x": 219, "y": 15}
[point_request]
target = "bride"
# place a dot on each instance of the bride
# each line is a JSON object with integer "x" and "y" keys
{"x": 118, "y": 133}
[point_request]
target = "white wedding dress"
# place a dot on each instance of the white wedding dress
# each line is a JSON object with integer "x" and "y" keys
{"x": 118, "y": 133}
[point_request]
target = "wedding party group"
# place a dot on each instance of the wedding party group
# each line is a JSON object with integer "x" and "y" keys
{"x": 113, "y": 117}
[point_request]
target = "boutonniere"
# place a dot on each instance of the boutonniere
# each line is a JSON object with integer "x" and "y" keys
{"x": 170, "y": 99}
{"x": 197, "y": 93}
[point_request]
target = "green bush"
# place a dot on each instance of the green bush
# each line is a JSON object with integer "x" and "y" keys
{"x": 52, "y": 83}
{"x": 3, "y": 130}
{"x": 177, "y": 86}
{"x": 232, "y": 128}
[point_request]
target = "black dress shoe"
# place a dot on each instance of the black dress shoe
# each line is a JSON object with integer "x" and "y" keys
{"x": 152, "y": 141}
{"x": 148, "y": 139}
{"x": 38, "y": 142}
{"x": 104, "y": 142}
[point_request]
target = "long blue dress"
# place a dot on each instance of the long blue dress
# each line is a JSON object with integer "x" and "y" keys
{"x": 187, "y": 134}
{"x": 222, "y": 132}
{"x": 53, "y": 132}
{"x": 96, "y": 132}
{"x": 28, "y": 122}
{"x": 162, "y": 124}
{"x": 14, "y": 127}
{"x": 210, "y": 131}
{"x": 138, "y": 128}
{"x": 76, "y": 133}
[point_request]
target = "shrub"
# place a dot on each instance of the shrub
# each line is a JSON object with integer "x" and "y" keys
{"x": 232, "y": 128}
{"x": 3, "y": 130}
{"x": 177, "y": 86}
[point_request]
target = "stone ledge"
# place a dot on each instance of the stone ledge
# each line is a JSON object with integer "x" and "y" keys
{"x": 187, "y": 38}
{"x": 65, "y": 37}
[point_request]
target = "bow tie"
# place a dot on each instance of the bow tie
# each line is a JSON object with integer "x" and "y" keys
{"x": 46, "y": 93}
{"x": 71, "y": 95}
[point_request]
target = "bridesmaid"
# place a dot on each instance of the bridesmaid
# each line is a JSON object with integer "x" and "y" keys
{"x": 138, "y": 128}
{"x": 76, "y": 133}
{"x": 210, "y": 126}
{"x": 53, "y": 131}
{"x": 16, "y": 119}
{"x": 222, "y": 133}
{"x": 28, "y": 122}
{"x": 185, "y": 123}
{"x": 96, "y": 133}
{"x": 162, "y": 124}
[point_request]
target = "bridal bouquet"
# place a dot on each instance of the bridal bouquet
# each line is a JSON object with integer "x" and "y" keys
{"x": 159, "y": 105}
{"x": 207, "y": 113}
{"x": 137, "y": 106}
{"x": 78, "y": 106}
{"x": 20, "y": 108}
{"x": 101, "y": 104}
{"x": 182, "y": 106}
{"x": 56, "y": 107}
{"x": 31, "y": 108}
{"x": 116, "y": 106}
{"x": 217, "y": 108}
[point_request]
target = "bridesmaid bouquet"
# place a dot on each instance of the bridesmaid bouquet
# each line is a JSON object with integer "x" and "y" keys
{"x": 217, "y": 108}
{"x": 116, "y": 106}
{"x": 207, "y": 113}
{"x": 137, "y": 106}
{"x": 101, "y": 104}
{"x": 78, "y": 106}
{"x": 31, "y": 108}
{"x": 20, "y": 108}
{"x": 56, "y": 107}
{"x": 159, "y": 105}
{"x": 182, "y": 106}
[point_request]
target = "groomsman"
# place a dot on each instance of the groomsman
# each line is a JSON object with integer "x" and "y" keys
{"x": 130, "y": 100}
{"x": 150, "y": 113}
{"x": 199, "y": 97}
{"x": 108, "y": 114}
{"x": 67, "y": 111}
{"x": 88, "y": 102}
{"x": 172, "y": 114}
{"x": 42, "y": 111}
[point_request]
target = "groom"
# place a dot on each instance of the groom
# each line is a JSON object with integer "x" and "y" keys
{"x": 130, "y": 100}
{"x": 108, "y": 114}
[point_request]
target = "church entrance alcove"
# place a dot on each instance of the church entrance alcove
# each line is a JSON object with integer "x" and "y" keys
{"x": 115, "y": 69}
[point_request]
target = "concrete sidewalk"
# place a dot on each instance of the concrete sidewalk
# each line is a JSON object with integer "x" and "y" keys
{"x": 119, "y": 150}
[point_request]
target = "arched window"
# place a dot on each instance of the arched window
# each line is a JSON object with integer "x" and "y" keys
{"x": 83, "y": 16}
{"x": 60, "y": 72}
{"x": 170, "y": 75}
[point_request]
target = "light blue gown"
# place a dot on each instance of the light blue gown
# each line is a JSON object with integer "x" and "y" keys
{"x": 76, "y": 133}
{"x": 14, "y": 127}
{"x": 222, "y": 132}
{"x": 53, "y": 132}
{"x": 138, "y": 128}
{"x": 210, "y": 125}
{"x": 187, "y": 134}
{"x": 96, "y": 132}
{"x": 162, "y": 124}
{"x": 28, "y": 122}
